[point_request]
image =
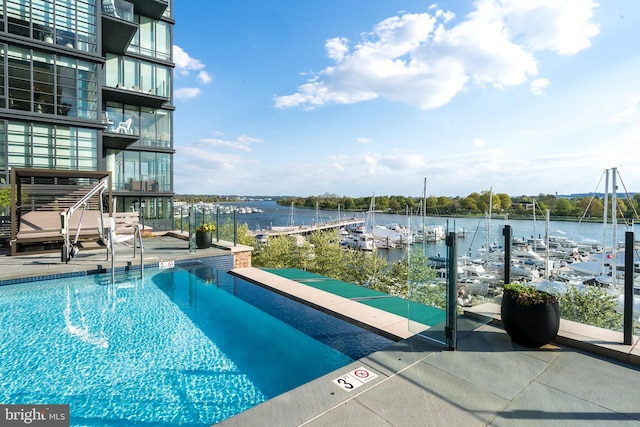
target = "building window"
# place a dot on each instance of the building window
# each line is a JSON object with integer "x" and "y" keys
{"x": 140, "y": 171}
{"x": 155, "y": 128}
{"x": 69, "y": 23}
{"x": 152, "y": 125}
{"x": 152, "y": 39}
{"x": 51, "y": 84}
{"x": 3, "y": 91}
{"x": 167, "y": 11}
{"x": 4, "y": 170}
{"x": 39, "y": 145}
{"x": 138, "y": 75}
{"x": 154, "y": 211}
{"x": 122, "y": 114}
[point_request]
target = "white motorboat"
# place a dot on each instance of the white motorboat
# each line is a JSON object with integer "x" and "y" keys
{"x": 360, "y": 240}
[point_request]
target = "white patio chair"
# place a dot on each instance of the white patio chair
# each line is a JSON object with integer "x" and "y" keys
{"x": 125, "y": 127}
{"x": 107, "y": 122}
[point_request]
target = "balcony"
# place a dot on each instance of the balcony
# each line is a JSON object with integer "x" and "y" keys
{"x": 118, "y": 141}
{"x": 118, "y": 26}
{"x": 150, "y": 8}
{"x": 135, "y": 95}
{"x": 118, "y": 135}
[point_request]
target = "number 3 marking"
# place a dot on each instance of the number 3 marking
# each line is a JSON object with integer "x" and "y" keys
{"x": 345, "y": 384}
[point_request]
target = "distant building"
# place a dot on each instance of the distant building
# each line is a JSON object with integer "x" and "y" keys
{"x": 86, "y": 85}
{"x": 524, "y": 205}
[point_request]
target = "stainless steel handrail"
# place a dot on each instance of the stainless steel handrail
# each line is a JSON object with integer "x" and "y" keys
{"x": 112, "y": 236}
{"x": 112, "y": 249}
{"x": 138, "y": 233}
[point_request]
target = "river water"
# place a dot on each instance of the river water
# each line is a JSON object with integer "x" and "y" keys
{"x": 478, "y": 231}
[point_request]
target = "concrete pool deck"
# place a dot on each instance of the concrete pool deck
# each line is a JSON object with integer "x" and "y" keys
{"x": 160, "y": 248}
{"x": 489, "y": 380}
{"x": 585, "y": 378}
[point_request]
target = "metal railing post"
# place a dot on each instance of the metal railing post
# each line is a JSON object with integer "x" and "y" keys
{"x": 113, "y": 255}
{"x": 217, "y": 224}
{"x": 506, "y": 232}
{"x": 235, "y": 228}
{"x": 452, "y": 296}
{"x": 192, "y": 231}
{"x": 628, "y": 288}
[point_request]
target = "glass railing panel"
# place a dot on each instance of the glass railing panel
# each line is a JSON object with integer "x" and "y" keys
{"x": 119, "y": 124}
{"x": 118, "y": 9}
{"x": 427, "y": 280}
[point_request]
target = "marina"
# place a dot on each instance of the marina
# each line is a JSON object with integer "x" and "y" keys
{"x": 475, "y": 233}
{"x": 550, "y": 254}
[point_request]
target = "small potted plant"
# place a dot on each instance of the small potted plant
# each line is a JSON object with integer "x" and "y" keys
{"x": 531, "y": 317}
{"x": 204, "y": 235}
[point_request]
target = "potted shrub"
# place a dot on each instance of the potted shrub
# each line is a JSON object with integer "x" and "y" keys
{"x": 530, "y": 317}
{"x": 204, "y": 235}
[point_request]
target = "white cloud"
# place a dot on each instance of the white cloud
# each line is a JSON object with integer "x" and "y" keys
{"x": 186, "y": 93}
{"x": 538, "y": 86}
{"x": 447, "y": 16}
{"x": 363, "y": 140}
{"x": 218, "y": 156}
{"x": 199, "y": 168}
{"x": 561, "y": 26}
{"x": 375, "y": 165}
{"x": 478, "y": 142}
{"x": 204, "y": 77}
{"x": 185, "y": 63}
{"x": 242, "y": 143}
{"x": 425, "y": 59}
{"x": 631, "y": 110}
{"x": 336, "y": 48}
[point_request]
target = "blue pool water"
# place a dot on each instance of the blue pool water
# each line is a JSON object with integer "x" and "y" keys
{"x": 185, "y": 346}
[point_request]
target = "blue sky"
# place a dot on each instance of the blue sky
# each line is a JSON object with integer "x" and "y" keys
{"x": 365, "y": 97}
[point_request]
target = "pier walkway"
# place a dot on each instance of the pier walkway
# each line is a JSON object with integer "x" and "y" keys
{"x": 306, "y": 229}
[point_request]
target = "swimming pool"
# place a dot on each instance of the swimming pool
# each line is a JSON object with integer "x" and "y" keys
{"x": 185, "y": 346}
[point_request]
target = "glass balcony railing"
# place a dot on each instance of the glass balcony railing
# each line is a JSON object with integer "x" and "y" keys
{"x": 118, "y": 9}
{"x": 141, "y": 85}
{"x": 117, "y": 123}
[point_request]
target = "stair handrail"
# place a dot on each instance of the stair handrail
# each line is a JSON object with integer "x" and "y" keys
{"x": 138, "y": 233}
{"x": 68, "y": 250}
{"x": 112, "y": 249}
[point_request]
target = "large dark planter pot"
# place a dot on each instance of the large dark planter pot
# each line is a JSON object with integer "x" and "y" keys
{"x": 530, "y": 325}
{"x": 203, "y": 239}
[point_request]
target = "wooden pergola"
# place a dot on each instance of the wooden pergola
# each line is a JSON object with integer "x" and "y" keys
{"x": 38, "y": 196}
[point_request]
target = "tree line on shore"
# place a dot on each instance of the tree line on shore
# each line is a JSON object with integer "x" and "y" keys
{"x": 589, "y": 207}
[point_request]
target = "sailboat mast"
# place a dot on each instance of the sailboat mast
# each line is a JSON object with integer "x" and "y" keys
{"x": 605, "y": 215}
{"x": 534, "y": 226}
{"x": 489, "y": 222}
{"x": 614, "y": 225}
{"x": 291, "y": 222}
{"x": 424, "y": 212}
{"x": 372, "y": 209}
{"x": 546, "y": 241}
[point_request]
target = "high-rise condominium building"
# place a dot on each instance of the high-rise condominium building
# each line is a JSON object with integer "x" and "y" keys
{"x": 86, "y": 85}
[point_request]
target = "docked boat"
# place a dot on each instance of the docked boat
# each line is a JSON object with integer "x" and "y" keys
{"x": 386, "y": 237}
{"x": 359, "y": 239}
{"x": 478, "y": 272}
{"x": 429, "y": 233}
